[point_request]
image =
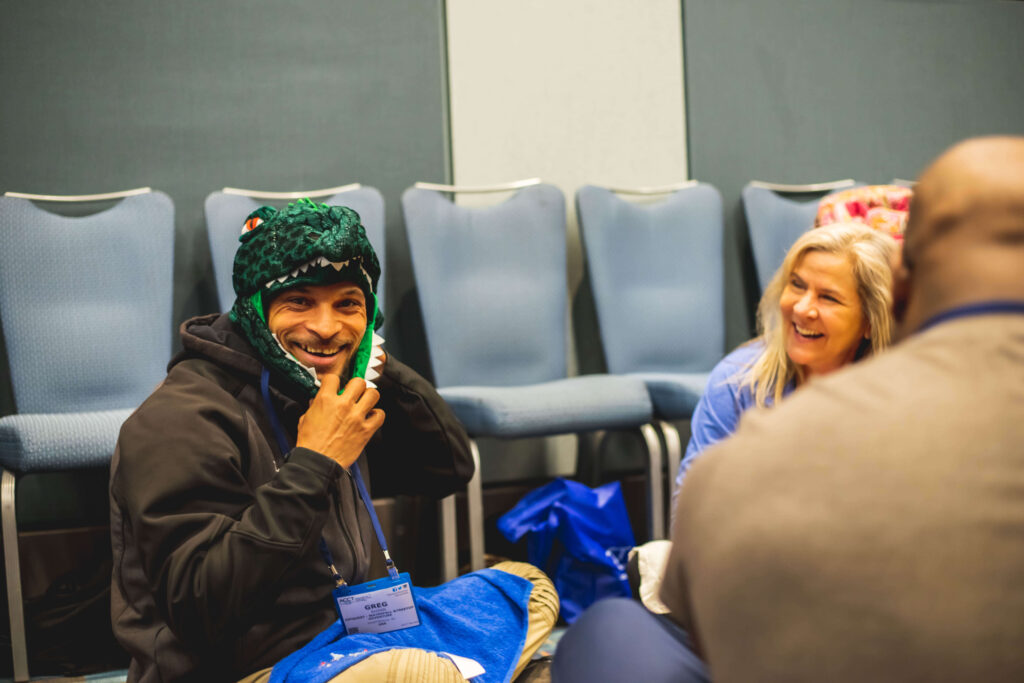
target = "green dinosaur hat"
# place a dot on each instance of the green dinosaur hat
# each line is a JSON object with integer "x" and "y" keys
{"x": 302, "y": 244}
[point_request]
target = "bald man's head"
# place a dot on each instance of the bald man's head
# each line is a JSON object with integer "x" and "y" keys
{"x": 965, "y": 239}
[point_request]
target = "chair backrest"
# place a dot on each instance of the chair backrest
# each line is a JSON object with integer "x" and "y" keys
{"x": 225, "y": 214}
{"x": 86, "y": 303}
{"x": 656, "y": 271}
{"x": 776, "y": 221}
{"x": 492, "y": 286}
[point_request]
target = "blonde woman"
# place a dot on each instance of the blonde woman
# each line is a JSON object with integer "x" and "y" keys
{"x": 828, "y": 305}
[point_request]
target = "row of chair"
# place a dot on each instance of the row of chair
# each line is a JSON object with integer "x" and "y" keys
{"x": 85, "y": 305}
{"x": 491, "y": 283}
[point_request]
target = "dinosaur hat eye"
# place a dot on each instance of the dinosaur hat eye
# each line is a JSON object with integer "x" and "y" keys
{"x": 252, "y": 224}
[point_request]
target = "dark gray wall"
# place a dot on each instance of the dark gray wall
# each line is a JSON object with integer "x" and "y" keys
{"x": 190, "y": 96}
{"x": 798, "y": 91}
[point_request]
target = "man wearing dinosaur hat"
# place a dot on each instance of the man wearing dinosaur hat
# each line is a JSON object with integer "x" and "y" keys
{"x": 235, "y": 502}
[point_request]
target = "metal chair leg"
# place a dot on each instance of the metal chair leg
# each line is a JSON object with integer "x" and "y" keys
{"x": 449, "y": 539}
{"x": 655, "y": 483}
{"x": 590, "y": 457}
{"x": 475, "y": 506}
{"x": 9, "y": 524}
{"x": 673, "y": 447}
{"x": 673, "y": 456}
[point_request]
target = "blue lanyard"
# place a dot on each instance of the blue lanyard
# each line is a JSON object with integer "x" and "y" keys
{"x": 980, "y": 308}
{"x": 282, "y": 444}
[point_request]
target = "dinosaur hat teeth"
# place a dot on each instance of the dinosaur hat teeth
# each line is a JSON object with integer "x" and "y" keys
{"x": 373, "y": 367}
{"x": 311, "y": 267}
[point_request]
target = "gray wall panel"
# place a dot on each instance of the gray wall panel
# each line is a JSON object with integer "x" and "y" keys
{"x": 188, "y": 97}
{"x": 797, "y": 91}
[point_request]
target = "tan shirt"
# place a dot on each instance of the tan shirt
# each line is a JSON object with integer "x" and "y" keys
{"x": 871, "y": 527}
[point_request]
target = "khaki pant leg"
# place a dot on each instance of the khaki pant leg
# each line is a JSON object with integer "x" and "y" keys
{"x": 394, "y": 666}
{"x": 407, "y": 665}
{"x": 258, "y": 677}
{"x": 542, "y": 609}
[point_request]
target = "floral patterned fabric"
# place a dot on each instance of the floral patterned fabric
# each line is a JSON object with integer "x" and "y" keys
{"x": 882, "y": 207}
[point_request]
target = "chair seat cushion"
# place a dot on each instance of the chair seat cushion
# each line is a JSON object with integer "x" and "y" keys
{"x": 59, "y": 441}
{"x": 674, "y": 394}
{"x": 575, "y": 404}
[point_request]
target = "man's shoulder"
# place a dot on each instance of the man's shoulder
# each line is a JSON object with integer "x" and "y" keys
{"x": 191, "y": 386}
{"x": 926, "y": 374}
{"x": 200, "y": 375}
{"x": 207, "y": 373}
{"x": 860, "y": 395}
{"x": 398, "y": 376}
{"x": 913, "y": 390}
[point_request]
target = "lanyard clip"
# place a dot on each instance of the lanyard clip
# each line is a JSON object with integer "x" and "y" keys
{"x": 335, "y": 574}
{"x": 390, "y": 564}
{"x": 338, "y": 581}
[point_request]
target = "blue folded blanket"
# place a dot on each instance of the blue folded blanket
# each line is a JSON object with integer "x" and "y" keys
{"x": 482, "y": 616}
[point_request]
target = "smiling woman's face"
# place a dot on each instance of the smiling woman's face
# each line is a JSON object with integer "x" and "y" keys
{"x": 822, "y": 314}
{"x": 320, "y": 325}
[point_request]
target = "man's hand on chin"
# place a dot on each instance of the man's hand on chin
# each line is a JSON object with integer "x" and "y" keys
{"x": 340, "y": 425}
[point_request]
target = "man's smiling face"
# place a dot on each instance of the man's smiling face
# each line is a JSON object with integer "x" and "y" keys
{"x": 320, "y": 325}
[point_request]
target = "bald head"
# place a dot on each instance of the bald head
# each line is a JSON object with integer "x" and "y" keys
{"x": 965, "y": 239}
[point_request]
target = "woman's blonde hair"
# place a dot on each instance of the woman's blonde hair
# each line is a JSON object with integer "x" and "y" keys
{"x": 870, "y": 253}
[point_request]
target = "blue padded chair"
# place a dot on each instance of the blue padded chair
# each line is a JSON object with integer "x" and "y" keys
{"x": 492, "y": 287}
{"x": 226, "y": 211}
{"x": 656, "y": 270}
{"x": 86, "y": 310}
{"x": 775, "y": 220}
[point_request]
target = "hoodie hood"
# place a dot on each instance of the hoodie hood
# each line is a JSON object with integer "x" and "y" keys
{"x": 216, "y": 338}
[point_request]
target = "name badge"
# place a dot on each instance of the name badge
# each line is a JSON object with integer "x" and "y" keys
{"x": 378, "y": 606}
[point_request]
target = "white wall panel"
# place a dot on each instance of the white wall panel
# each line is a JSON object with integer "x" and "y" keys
{"x": 572, "y": 91}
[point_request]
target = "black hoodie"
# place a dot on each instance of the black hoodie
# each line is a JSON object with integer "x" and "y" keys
{"x": 215, "y": 533}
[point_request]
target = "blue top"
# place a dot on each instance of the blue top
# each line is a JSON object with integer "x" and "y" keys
{"x": 718, "y": 411}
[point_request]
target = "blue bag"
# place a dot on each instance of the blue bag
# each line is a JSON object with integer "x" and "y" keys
{"x": 594, "y": 536}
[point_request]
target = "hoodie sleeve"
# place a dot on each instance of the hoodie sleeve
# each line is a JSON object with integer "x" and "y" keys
{"x": 214, "y": 543}
{"x": 422, "y": 448}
